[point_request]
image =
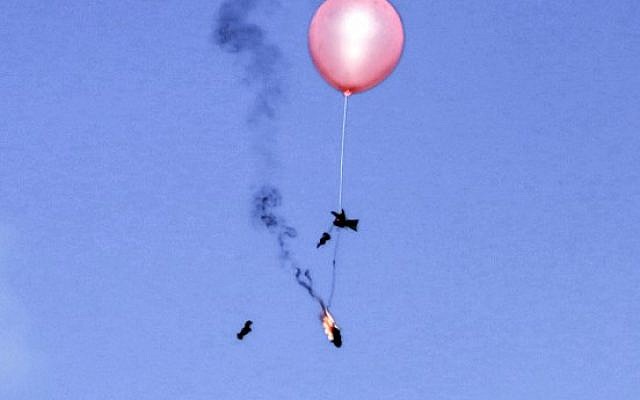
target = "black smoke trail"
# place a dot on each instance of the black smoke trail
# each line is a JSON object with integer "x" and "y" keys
{"x": 265, "y": 204}
{"x": 235, "y": 34}
{"x": 307, "y": 282}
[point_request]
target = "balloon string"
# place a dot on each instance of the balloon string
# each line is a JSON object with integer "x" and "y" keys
{"x": 344, "y": 125}
{"x": 335, "y": 249}
{"x": 333, "y": 270}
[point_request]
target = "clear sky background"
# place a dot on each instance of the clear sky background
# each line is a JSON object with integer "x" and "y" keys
{"x": 496, "y": 174}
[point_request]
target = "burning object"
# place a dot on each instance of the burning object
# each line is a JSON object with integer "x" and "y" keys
{"x": 331, "y": 329}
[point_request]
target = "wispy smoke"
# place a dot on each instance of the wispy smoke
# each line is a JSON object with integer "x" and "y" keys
{"x": 265, "y": 201}
{"x": 263, "y": 60}
{"x": 263, "y": 65}
{"x": 307, "y": 282}
{"x": 265, "y": 204}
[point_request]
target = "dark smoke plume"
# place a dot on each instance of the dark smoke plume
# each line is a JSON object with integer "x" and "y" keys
{"x": 307, "y": 282}
{"x": 234, "y": 34}
{"x": 265, "y": 203}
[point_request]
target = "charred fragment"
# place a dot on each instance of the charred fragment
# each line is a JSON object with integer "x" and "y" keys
{"x": 245, "y": 330}
{"x": 324, "y": 239}
{"x": 337, "y": 337}
{"x": 341, "y": 221}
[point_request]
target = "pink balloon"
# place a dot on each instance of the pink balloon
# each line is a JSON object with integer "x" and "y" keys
{"x": 355, "y": 44}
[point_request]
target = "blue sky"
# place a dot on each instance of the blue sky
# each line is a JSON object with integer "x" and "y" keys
{"x": 495, "y": 174}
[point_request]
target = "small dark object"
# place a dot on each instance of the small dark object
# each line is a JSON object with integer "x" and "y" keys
{"x": 341, "y": 221}
{"x": 324, "y": 239}
{"x": 337, "y": 337}
{"x": 245, "y": 330}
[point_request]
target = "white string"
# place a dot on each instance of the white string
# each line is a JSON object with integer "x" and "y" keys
{"x": 344, "y": 125}
{"x": 335, "y": 249}
{"x": 333, "y": 270}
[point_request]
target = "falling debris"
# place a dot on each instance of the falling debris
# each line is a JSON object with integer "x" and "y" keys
{"x": 324, "y": 239}
{"x": 337, "y": 337}
{"x": 331, "y": 329}
{"x": 235, "y": 32}
{"x": 341, "y": 221}
{"x": 245, "y": 330}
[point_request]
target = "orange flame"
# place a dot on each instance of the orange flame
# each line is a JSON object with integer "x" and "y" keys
{"x": 328, "y": 323}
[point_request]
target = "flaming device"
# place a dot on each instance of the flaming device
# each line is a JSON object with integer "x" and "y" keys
{"x": 331, "y": 328}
